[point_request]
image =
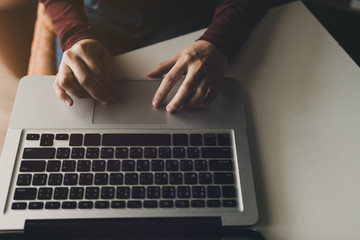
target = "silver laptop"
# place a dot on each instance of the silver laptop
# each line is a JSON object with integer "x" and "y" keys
{"x": 125, "y": 164}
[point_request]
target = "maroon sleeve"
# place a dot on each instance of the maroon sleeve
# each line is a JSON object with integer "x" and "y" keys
{"x": 70, "y": 22}
{"x": 232, "y": 23}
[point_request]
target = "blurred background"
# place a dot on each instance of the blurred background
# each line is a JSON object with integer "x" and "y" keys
{"x": 17, "y": 31}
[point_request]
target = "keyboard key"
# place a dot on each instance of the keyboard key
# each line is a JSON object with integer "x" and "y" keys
{"x": 61, "y": 193}
{"x": 172, "y": 165}
{"x": 19, "y": 206}
{"x": 86, "y": 179}
{"x": 68, "y": 166}
{"x": 205, "y": 178}
{"x": 118, "y": 204}
{"x": 122, "y": 192}
{"x": 142, "y": 165}
{"x": 190, "y": 178}
{"x": 223, "y": 139}
{"x": 76, "y": 193}
{"x": 52, "y": 205}
{"x": 36, "y": 205}
{"x": 101, "y": 178}
{"x": 32, "y": 136}
{"x": 186, "y": 165}
{"x": 86, "y": 205}
{"x": 220, "y": 165}
{"x": 182, "y": 203}
{"x": 161, "y": 178}
{"x": 98, "y": 165}
{"x": 55, "y": 179}
{"x": 45, "y": 193}
{"x": 62, "y": 136}
{"x": 153, "y": 192}
{"x": 92, "y": 153}
{"x": 24, "y": 180}
{"x": 213, "y": 192}
{"x": 176, "y": 178}
{"x": 116, "y": 179}
{"x": 122, "y": 153}
{"x": 193, "y": 152}
{"x": 164, "y": 152}
{"x": 213, "y": 203}
{"x": 215, "y": 152}
{"x": 128, "y": 165}
{"x": 201, "y": 165}
{"x": 150, "y": 153}
{"x": 138, "y": 192}
{"x": 228, "y": 191}
{"x": 183, "y": 192}
{"x": 39, "y": 179}
{"x": 198, "y": 192}
{"x": 157, "y": 165}
{"x": 195, "y": 140}
{"x": 113, "y": 165}
{"x": 146, "y": 178}
{"x": 178, "y": 152}
{"x": 107, "y": 192}
{"x": 76, "y": 140}
{"x": 150, "y": 204}
{"x": 68, "y": 205}
{"x": 229, "y": 203}
{"x": 107, "y": 153}
{"x": 70, "y": 179}
{"x": 77, "y": 153}
{"x": 47, "y": 140}
{"x": 131, "y": 178}
{"x": 92, "y": 139}
{"x": 136, "y": 140}
{"x": 168, "y": 192}
{"x": 197, "y": 203}
{"x": 134, "y": 204}
{"x": 83, "y": 166}
{"x": 102, "y": 204}
{"x": 180, "y": 140}
{"x": 223, "y": 178}
{"x": 53, "y": 166}
{"x": 136, "y": 153}
{"x": 166, "y": 204}
{"x": 209, "y": 140}
{"x": 92, "y": 193}
{"x": 63, "y": 153}
{"x": 38, "y": 153}
{"x": 32, "y": 166}
{"x": 25, "y": 193}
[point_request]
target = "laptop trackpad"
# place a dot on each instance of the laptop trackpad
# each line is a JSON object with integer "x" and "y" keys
{"x": 133, "y": 106}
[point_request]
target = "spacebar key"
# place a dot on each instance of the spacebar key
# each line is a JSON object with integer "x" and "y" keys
{"x": 136, "y": 140}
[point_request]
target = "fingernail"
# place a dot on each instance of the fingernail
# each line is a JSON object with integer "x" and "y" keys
{"x": 155, "y": 102}
{"x": 169, "y": 109}
{"x": 68, "y": 102}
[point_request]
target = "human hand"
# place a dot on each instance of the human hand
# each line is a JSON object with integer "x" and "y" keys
{"x": 204, "y": 67}
{"x": 84, "y": 72}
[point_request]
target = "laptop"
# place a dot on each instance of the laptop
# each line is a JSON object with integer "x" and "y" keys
{"x": 126, "y": 167}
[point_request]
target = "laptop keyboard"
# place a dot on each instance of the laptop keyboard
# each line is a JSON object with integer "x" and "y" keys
{"x": 125, "y": 171}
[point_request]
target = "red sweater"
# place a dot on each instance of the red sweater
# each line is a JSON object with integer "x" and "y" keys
{"x": 230, "y": 26}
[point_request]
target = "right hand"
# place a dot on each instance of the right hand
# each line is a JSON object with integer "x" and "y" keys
{"x": 84, "y": 72}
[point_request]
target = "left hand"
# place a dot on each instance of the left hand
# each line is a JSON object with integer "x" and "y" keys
{"x": 204, "y": 67}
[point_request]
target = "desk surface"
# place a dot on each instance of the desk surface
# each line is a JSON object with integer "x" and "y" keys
{"x": 303, "y": 96}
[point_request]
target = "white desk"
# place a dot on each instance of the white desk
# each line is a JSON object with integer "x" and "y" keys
{"x": 303, "y": 98}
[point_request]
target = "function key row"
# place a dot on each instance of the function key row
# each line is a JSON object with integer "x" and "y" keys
{"x": 124, "y": 204}
{"x": 134, "y": 139}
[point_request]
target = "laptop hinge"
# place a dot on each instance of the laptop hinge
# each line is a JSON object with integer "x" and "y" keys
{"x": 204, "y": 227}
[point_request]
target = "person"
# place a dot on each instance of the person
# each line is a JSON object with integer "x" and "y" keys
{"x": 92, "y": 31}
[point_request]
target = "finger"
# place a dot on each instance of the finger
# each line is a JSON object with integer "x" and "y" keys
{"x": 185, "y": 91}
{"x": 168, "y": 82}
{"x": 200, "y": 92}
{"x": 212, "y": 94}
{"x": 163, "y": 67}
{"x": 61, "y": 93}
{"x": 88, "y": 81}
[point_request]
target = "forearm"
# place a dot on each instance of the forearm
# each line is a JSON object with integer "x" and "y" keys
{"x": 70, "y": 22}
{"x": 232, "y": 23}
